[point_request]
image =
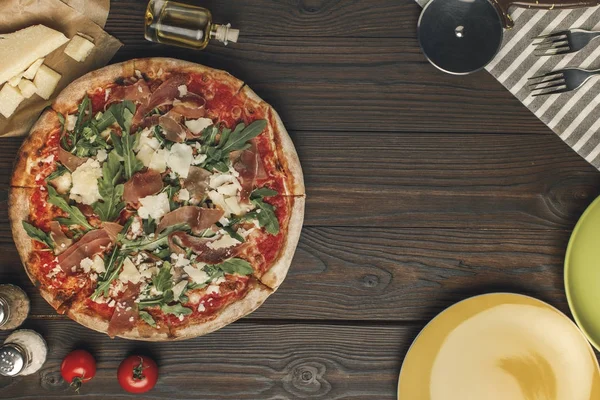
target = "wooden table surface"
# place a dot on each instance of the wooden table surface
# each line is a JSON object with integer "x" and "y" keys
{"x": 423, "y": 189}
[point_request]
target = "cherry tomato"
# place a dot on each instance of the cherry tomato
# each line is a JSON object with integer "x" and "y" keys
{"x": 78, "y": 367}
{"x": 137, "y": 374}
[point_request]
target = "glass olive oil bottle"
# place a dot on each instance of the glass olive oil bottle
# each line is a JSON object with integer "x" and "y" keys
{"x": 184, "y": 25}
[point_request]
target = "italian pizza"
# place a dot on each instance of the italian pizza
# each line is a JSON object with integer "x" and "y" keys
{"x": 157, "y": 199}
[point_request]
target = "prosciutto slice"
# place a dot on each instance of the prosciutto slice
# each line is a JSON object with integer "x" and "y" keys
{"x": 179, "y": 241}
{"x": 190, "y": 106}
{"x": 126, "y": 311}
{"x": 142, "y": 184}
{"x": 71, "y": 161}
{"x": 139, "y": 93}
{"x": 249, "y": 165}
{"x": 198, "y": 218}
{"x": 197, "y": 182}
{"x": 113, "y": 229}
{"x": 59, "y": 238}
{"x": 167, "y": 92}
{"x": 90, "y": 244}
{"x": 173, "y": 129}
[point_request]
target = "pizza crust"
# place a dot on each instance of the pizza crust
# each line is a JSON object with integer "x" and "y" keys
{"x": 287, "y": 155}
{"x": 253, "y": 299}
{"x": 27, "y": 155}
{"x": 275, "y": 276}
{"x": 69, "y": 99}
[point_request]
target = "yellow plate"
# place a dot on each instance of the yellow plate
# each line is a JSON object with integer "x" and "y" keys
{"x": 500, "y": 346}
{"x": 582, "y": 273}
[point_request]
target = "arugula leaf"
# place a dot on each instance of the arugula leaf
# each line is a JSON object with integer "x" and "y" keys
{"x": 164, "y": 253}
{"x": 90, "y": 143}
{"x": 111, "y": 205}
{"x": 263, "y": 192}
{"x": 84, "y": 112}
{"x": 61, "y": 119}
{"x": 176, "y": 309}
{"x": 171, "y": 192}
{"x": 233, "y": 233}
{"x": 236, "y": 266}
{"x": 161, "y": 139}
{"x": 266, "y": 217}
{"x": 147, "y": 318}
{"x": 124, "y": 146}
{"x": 149, "y": 225}
{"x": 113, "y": 268}
{"x": 148, "y": 243}
{"x": 75, "y": 217}
{"x": 162, "y": 281}
{"x": 242, "y": 134}
{"x": 123, "y": 114}
{"x": 60, "y": 171}
{"x": 38, "y": 234}
{"x": 166, "y": 298}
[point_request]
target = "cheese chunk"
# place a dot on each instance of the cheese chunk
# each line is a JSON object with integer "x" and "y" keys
{"x": 224, "y": 242}
{"x": 180, "y": 159}
{"x": 46, "y": 81}
{"x": 10, "y": 98}
{"x": 79, "y": 48}
{"x": 198, "y": 125}
{"x": 130, "y": 273}
{"x": 154, "y": 206}
{"x": 159, "y": 160}
{"x": 27, "y": 88}
{"x": 14, "y": 81}
{"x": 85, "y": 183}
{"x": 24, "y": 47}
{"x": 33, "y": 69}
{"x": 195, "y": 274}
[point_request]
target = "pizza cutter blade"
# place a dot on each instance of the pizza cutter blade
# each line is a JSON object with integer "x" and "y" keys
{"x": 462, "y": 36}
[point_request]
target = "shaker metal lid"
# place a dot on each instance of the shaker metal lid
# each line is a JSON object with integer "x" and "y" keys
{"x": 12, "y": 360}
{"x": 460, "y": 36}
{"x": 4, "y": 311}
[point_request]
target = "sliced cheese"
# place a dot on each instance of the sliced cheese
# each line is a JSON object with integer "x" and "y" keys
{"x": 180, "y": 159}
{"x": 159, "y": 160}
{"x": 196, "y": 275}
{"x": 14, "y": 81}
{"x": 154, "y": 206}
{"x": 27, "y": 88}
{"x": 85, "y": 183}
{"x": 10, "y": 98}
{"x": 46, "y": 81}
{"x": 25, "y": 47}
{"x": 33, "y": 69}
{"x": 198, "y": 125}
{"x": 224, "y": 242}
{"x": 130, "y": 273}
{"x": 79, "y": 48}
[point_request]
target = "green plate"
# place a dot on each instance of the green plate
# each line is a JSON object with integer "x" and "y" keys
{"x": 582, "y": 273}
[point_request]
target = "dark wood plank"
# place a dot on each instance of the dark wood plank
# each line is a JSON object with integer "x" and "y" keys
{"x": 392, "y": 274}
{"x": 242, "y": 361}
{"x": 307, "y": 18}
{"x": 387, "y": 85}
{"x": 442, "y": 180}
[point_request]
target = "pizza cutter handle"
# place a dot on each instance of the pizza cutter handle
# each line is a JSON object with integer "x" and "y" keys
{"x": 503, "y": 5}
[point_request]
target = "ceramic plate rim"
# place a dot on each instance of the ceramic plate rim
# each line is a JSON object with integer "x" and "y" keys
{"x": 567, "y": 268}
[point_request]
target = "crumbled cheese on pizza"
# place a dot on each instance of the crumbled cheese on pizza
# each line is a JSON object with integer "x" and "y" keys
{"x": 55, "y": 271}
{"x": 180, "y": 159}
{"x": 179, "y": 260}
{"x": 70, "y": 122}
{"x": 178, "y": 289}
{"x": 136, "y": 229}
{"x": 201, "y": 308}
{"x": 230, "y": 189}
{"x": 130, "y": 272}
{"x": 220, "y": 179}
{"x": 199, "y": 159}
{"x": 102, "y": 155}
{"x": 86, "y": 264}
{"x": 224, "y": 221}
{"x": 112, "y": 303}
{"x": 213, "y": 289}
{"x": 195, "y": 274}
{"x": 85, "y": 183}
{"x": 183, "y": 195}
{"x": 107, "y": 94}
{"x": 150, "y": 272}
{"x": 198, "y": 125}
{"x": 224, "y": 242}
{"x": 158, "y": 162}
{"x": 183, "y": 90}
{"x": 62, "y": 183}
{"x": 154, "y": 206}
{"x": 98, "y": 265}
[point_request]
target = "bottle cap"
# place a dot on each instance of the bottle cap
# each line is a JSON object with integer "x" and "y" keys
{"x": 4, "y": 311}
{"x": 12, "y": 360}
{"x": 226, "y": 34}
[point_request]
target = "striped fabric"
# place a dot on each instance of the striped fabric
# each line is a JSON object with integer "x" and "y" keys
{"x": 574, "y": 116}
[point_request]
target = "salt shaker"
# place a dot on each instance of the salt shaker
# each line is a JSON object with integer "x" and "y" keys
{"x": 23, "y": 353}
{"x": 14, "y": 307}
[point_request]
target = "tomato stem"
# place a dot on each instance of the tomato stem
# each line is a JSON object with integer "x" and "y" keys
{"x": 76, "y": 383}
{"x": 138, "y": 372}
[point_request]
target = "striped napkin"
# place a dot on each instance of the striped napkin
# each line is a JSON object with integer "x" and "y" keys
{"x": 574, "y": 116}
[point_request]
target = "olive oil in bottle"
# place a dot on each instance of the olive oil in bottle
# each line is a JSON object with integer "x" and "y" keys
{"x": 184, "y": 25}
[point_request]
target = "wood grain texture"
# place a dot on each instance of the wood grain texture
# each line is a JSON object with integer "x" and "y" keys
{"x": 392, "y": 275}
{"x": 242, "y": 361}
{"x": 320, "y": 74}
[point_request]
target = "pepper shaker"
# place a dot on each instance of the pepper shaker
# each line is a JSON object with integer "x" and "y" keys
{"x": 14, "y": 307}
{"x": 23, "y": 353}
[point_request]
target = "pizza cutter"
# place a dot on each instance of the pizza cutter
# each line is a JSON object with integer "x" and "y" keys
{"x": 462, "y": 36}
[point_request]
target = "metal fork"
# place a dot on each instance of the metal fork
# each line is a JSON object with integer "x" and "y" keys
{"x": 563, "y": 42}
{"x": 560, "y": 81}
